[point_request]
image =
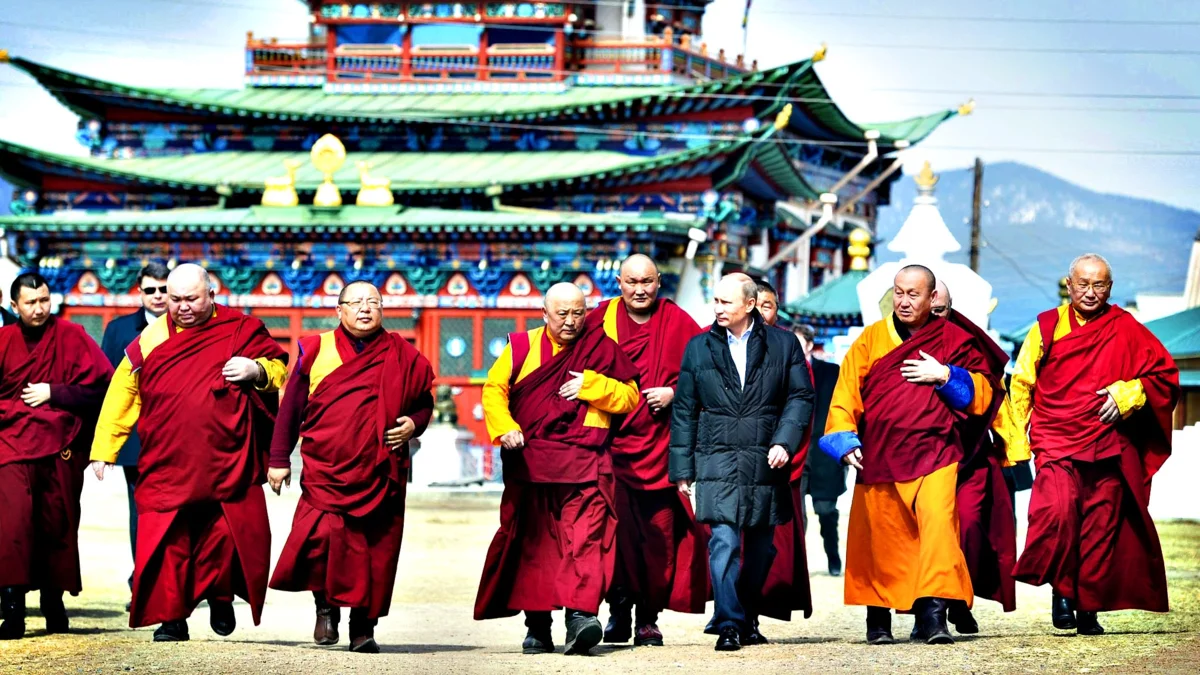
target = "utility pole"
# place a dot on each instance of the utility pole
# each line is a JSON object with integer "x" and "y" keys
{"x": 975, "y": 203}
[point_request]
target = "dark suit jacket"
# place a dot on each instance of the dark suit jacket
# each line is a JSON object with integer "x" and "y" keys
{"x": 826, "y": 477}
{"x": 7, "y": 317}
{"x": 117, "y": 336}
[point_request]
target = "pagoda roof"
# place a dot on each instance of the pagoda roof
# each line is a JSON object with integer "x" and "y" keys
{"x": 833, "y": 299}
{"x": 751, "y": 157}
{"x": 1179, "y": 333}
{"x": 282, "y": 221}
{"x": 815, "y": 116}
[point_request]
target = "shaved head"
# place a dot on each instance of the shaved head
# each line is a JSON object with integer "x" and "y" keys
{"x": 563, "y": 311}
{"x": 639, "y": 281}
{"x": 921, "y": 270}
{"x": 189, "y": 295}
{"x": 360, "y": 308}
{"x": 942, "y": 303}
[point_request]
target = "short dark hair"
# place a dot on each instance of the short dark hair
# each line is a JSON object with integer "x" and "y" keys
{"x": 765, "y": 286}
{"x": 154, "y": 271}
{"x": 805, "y": 331}
{"x": 923, "y": 269}
{"x": 30, "y": 280}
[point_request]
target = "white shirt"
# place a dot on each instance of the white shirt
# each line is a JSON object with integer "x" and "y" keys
{"x": 150, "y": 318}
{"x": 737, "y": 350}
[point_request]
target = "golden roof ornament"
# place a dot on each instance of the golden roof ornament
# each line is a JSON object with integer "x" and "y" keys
{"x": 926, "y": 180}
{"x": 281, "y": 190}
{"x": 967, "y": 108}
{"x": 373, "y": 190}
{"x": 4, "y": 58}
{"x": 328, "y": 155}
{"x": 781, "y": 120}
{"x": 820, "y": 54}
{"x": 859, "y": 249}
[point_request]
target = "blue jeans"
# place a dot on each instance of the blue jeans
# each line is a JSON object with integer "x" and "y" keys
{"x": 737, "y": 591}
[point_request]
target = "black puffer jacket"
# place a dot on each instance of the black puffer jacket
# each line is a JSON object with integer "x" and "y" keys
{"x": 720, "y": 433}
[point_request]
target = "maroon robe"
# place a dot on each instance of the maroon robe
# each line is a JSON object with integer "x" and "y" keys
{"x": 1090, "y": 532}
{"x": 349, "y": 523}
{"x": 44, "y": 453}
{"x": 554, "y": 547}
{"x": 202, "y": 518}
{"x": 986, "y": 520}
{"x": 661, "y": 559}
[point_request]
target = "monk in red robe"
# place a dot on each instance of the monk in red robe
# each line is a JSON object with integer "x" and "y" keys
{"x": 548, "y": 402}
{"x": 193, "y": 383}
{"x": 904, "y": 394}
{"x": 987, "y": 523}
{"x": 355, "y": 399}
{"x": 52, "y": 379}
{"x": 660, "y": 547}
{"x": 1095, "y": 390}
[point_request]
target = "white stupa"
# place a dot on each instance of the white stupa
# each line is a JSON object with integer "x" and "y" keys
{"x": 925, "y": 240}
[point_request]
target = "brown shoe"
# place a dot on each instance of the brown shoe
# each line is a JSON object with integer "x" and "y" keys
{"x": 364, "y": 644}
{"x": 325, "y": 633}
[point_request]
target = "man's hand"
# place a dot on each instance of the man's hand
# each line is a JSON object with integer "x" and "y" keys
{"x": 685, "y": 486}
{"x": 98, "y": 469}
{"x": 777, "y": 457}
{"x": 513, "y": 440}
{"x": 242, "y": 369}
{"x": 658, "y": 397}
{"x": 277, "y": 478}
{"x": 36, "y": 394}
{"x": 1110, "y": 413}
{"x": 853, "y": 458}
{"x": 399, "y": 435}
{"x": 570, "y": 390}
{"x": 925, "y": 371}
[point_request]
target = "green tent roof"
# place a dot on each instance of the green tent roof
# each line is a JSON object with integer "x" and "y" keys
{"x": 1179, "y": 333}
{"x": 815, "y": 117}
{"x": 347, "y": 219}
{"x": 836, "y": 298}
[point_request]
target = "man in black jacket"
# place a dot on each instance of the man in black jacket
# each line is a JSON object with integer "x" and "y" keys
{"x": 742, "y": 405}
{"x": 152, "y": 285}
{"x": 824, "y": 479}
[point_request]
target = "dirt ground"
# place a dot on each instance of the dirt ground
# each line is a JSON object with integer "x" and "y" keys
{"x": 430, "y": 627}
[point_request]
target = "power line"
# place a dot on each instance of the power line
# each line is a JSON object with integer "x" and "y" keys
{"x": 1040, "y": 287}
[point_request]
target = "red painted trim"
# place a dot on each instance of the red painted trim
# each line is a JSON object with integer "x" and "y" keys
{"x": 65, "y": 184}
{"x": 114, "y": 114}
{"x": 331, "y": 53}
{"x": 737, "y": 114}
{"x": 696, "y": 184}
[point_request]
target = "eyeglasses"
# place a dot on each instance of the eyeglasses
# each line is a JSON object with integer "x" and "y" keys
{"x": 358, "y": 304}
{"x": 151, "y": 290}
{"x": 940, "y": 311}
{"x": 1098, "y": 288}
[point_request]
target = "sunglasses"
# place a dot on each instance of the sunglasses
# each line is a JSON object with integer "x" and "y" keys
{"x": 151, "y": 290}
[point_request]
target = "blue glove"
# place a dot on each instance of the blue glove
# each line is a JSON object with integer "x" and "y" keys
{"x": 959, "y": 390}
{"x": 838, "y": 445}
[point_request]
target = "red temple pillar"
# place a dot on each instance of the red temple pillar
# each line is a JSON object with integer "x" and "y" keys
{"x": 330, "y": 53}
{"x": 406, "y": 55}
{"x": 560, "y": 54}
{"x": 482, "y": 63}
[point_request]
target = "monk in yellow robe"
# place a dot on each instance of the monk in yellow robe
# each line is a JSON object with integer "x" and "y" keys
{"x": 904, "y": 390}
{"x": 548, "y": 402}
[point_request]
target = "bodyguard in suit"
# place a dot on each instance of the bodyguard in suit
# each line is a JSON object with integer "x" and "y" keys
{"x": 152, "y": 285}
{"x": 824, "y": 480}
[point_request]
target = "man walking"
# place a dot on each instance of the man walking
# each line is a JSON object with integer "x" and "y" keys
{"x": 742, "y": 407}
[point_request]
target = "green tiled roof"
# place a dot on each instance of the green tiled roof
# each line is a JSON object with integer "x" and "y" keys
{"x": 1179, "y": 333}
{"x": 268, "y": 220}
{"x": 837, "y": 298}
{"x": 1189, "y": 378}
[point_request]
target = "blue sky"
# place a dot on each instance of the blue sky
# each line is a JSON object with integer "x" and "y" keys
{"x": 199, "y": 43}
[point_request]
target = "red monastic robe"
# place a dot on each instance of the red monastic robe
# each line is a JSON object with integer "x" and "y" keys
{"x": 661, "y": 549}
{"x": 202, "y": 517}
{"x": 348, "y": 526}
{"x": 554, "y": 547}
{"x": 1090, "y": 532}
{"x": 44, "y": 454}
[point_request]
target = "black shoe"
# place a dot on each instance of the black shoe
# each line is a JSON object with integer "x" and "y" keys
{"x": 620, "y": 623}
{"x": 931, "y": 621}
{"x": 128, "y": 607}
{"x": 754, "y": 637}
{"x": 1062, "y": 613}
{"x": 1088, "y": 625}
{"x": 221, "y": 618}
{"x": 959, "y": 615}
{"x": 172, "y": 631}
{"x": 12, "y": 600}
{"x": 51, "y": 604}
{"x": 537, "y": 638}
{"x": 835, "y": 566}
{"x": 583, "y": 632}
{"x": 879, "y": 626}
{"x": 729, "y": 640}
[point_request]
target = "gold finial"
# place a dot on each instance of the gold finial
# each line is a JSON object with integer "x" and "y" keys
{"x": 927, "y": 178}
{"x": 992, "y": 305}
{"x": 375, "y": 190}
{"x": 781, "y": 120}
{"x": 819, "y": 55}
{"x": 328, "y": 155}
{"x": 281, "y": 190}
{"x": 4, "y": 56}
{"x": 967, "y": 108}
{"x": 859, "y": 249}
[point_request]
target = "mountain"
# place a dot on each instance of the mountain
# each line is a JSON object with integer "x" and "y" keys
{"x": 1034, "y": 224}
